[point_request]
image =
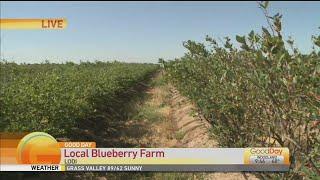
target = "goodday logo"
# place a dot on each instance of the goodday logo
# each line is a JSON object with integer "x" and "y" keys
{"x": 38, "y": 148}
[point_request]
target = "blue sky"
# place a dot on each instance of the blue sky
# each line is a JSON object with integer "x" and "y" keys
{"x": 142, "y": 31}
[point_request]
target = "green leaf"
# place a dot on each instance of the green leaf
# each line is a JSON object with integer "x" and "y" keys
{"x": 251, "y": 34}
{"x": 240, "y": 39}
{"x": 266, "y": 32}
{"x": 294, "y": 81}
{"x": 266, "y": 4}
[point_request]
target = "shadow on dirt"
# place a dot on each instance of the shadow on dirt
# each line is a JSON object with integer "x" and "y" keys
{"x": 108, "y": 124}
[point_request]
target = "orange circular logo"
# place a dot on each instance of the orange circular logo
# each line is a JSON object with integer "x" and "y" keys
{"x": 38, "y": 148}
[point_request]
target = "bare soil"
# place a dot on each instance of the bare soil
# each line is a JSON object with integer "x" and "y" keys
{"x": 177, "y": 125}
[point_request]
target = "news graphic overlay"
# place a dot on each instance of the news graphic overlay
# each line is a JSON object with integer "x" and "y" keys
{"x": 39, "y": 151}
{"x": 38, "y": 148}
{"x": 25, "y": 24}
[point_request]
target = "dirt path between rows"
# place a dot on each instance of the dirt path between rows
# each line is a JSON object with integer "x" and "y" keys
{"x": 161, "y": 118}
{"x": 172, "y": 121}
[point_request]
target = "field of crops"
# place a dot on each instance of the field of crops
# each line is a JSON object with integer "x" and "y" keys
{"x": 56, "y": 98}
{"x": 259, "y": 95}
{"x": 260, "y": 92}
